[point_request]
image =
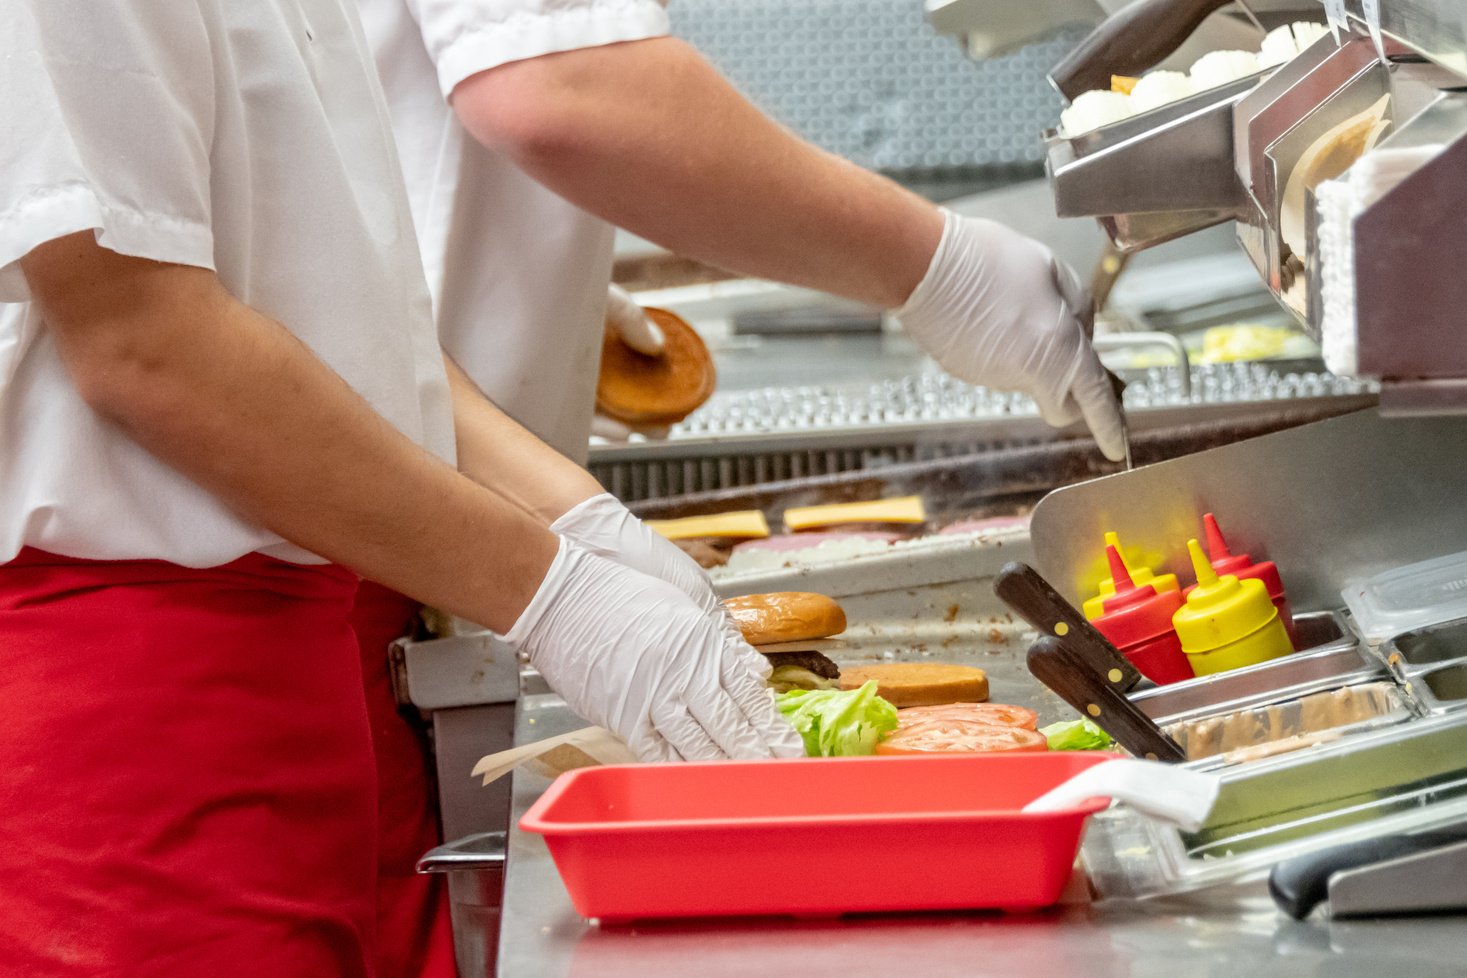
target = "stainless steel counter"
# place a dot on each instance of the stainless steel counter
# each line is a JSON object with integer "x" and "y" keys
{"x": 1223, "y": 933}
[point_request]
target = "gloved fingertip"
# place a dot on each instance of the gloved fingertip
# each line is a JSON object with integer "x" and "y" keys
{"x": 609, "y": 428}
{"x": 657, "y": 338}
{"x": 1103, "y": 418}
{"x": 784, "y": 743}
{"x": 641, "y": 333}
{"x": 1115, "y": 451}
{"x": 1061, "y": 414}
{"x": 651, "y": 748}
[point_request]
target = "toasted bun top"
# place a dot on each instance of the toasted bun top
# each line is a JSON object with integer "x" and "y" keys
{"x": 906, "y": 684}
{"x": 664, "y": 389}
{"x": 786, "y": 616}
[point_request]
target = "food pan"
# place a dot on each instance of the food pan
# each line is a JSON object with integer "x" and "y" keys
{"x": 1331, "y": 658}
{"x": 1440, "y": 690}
{"x": 1403, "y": 778}
{"x": 813, "y": 836}
{"x": 1276, "y": 728}
{"x": 1428, "y": 648}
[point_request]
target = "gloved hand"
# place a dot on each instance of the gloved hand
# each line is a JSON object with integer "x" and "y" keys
{"x": 641, "y": 334}
{"x": 632, "y": 653}
{"x": 997, "y": 308}
{"x": 631, "y": 323}
{"x": 605, "y": 527}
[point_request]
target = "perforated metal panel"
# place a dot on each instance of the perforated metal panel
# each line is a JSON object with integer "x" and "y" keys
{"x": 746, "y": 438}
{"x": 870, "y": 80}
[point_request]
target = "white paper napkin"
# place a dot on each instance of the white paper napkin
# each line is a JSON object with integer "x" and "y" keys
{"x": 1161, "y": 791}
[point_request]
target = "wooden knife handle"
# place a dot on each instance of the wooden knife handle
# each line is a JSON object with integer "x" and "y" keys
{"x": 1039, "y": 604}
{"x": 1128, "y": 42}
{"x": 1057, "y": 664}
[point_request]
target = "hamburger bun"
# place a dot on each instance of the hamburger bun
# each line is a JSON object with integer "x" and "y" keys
{"x": 638, "y": 389}
{"x": 785, "y": 616}
{"x": 904, "y": 684}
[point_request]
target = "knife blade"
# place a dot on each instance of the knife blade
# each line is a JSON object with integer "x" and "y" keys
{"x": 1119, "y": 386}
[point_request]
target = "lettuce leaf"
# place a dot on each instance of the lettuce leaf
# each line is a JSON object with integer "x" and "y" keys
{"x": 1076, "y": 735}
{"x": 837, "y": 723}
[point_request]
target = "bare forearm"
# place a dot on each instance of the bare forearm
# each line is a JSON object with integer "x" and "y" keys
{"x": 221, "y": 393}
{"x": 650, "y": 137}
{"x": 497, "y": 452}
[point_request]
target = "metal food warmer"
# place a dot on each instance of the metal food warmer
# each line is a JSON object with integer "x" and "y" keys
{"x": 1364, "y": 491}
{"x": 1382, "y": 112}
{"x": 1344, "y": 174}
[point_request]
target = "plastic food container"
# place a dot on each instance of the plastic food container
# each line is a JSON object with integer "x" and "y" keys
{"x": 1410, "y": 597}
{"x": 812, "y": 837}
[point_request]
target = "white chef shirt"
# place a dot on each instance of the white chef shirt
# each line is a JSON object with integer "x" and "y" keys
{"x": 518, "y": 274}
{"x": 245, "y": 137}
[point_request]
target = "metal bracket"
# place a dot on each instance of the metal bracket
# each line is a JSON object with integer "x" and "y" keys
{"x": 486, "y": 850}
{"x": 444, "y": 673}
{"x": 1424, "y": 882}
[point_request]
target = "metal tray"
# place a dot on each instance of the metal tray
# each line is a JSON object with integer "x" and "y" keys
{"x": 1155, "y": 176}
{"x": 1408, "y": 777}
{"x": 1245, "y": 736}
{"x": 1426, "y": 649}
{"x": 1439, "y": 690}
{"x": 1331, "y": 658}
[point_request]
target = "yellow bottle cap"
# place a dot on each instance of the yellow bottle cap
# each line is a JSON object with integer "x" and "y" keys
{"x": 1220, "y": 610}
{"x": 1140, "y": 574}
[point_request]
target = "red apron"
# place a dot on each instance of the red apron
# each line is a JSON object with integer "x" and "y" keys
{"x": 186, "y": 776}
{"x": 414, "y": 938}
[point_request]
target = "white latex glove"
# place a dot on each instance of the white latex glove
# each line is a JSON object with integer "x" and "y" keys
{"x": 641, "y": 334}
{"x": 633, "y": 654}
{"x": 630, "y": 323}
{"x": 605, "y": 527}
{"x": 997, "y": 308}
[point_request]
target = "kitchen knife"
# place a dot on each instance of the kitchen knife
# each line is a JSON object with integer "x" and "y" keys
{"x": 1059, "y": 665}
{"x": 1108, "y": 270}
{"x": 1034, "y": 600}
{"x": 1128, "y": 42}
{"x": 1299, "y": 885}
{"x": 1119, "y": 386}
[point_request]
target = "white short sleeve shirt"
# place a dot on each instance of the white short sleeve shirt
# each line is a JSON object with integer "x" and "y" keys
{"x": 248, "y": 138}
{"x": 518, "y": 274}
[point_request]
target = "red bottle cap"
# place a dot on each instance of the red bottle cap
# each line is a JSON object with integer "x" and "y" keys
{"x": 1135, "y": 614}
{"x": 1241, "y": 566}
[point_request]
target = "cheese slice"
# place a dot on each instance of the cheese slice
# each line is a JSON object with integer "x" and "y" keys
{"x": 745, "y": 524}
{"x": 906, "y": 509}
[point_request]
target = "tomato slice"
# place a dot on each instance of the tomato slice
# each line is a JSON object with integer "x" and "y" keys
{"x": 1000, "y": 714}
{"x": 933, "y": 736}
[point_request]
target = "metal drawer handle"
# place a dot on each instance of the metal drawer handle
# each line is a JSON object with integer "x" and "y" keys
{"x": 473, "y": 852}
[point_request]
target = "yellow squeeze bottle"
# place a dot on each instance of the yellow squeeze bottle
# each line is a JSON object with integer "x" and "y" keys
{"x": 1094, "y": 607}
{"x": 1227, "y": 623}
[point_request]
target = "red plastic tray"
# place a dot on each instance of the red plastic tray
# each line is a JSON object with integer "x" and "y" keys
{"x": 812, "y": 837}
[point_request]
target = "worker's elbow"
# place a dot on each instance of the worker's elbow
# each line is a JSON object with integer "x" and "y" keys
{"x": 115, "y": 377}
{"x": 519, "y": 110}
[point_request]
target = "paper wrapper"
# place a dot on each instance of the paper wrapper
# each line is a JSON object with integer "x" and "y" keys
{"x": 586, "y": 747}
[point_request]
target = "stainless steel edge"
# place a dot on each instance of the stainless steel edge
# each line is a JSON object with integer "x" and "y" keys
{"x": 465, "y": 670}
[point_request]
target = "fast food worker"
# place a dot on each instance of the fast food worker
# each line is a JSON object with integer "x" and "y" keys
{"x": 221, "y": 399}
{"x": 527, "y": 128}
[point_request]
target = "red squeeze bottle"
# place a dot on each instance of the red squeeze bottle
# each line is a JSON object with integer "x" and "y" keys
{"x": 1138, "y": 622}
{"x": 1242, "y": 566}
